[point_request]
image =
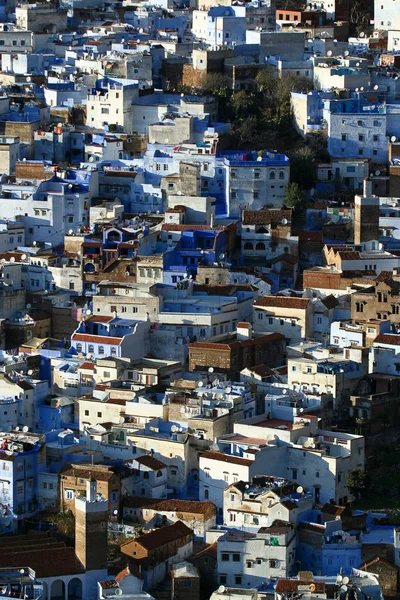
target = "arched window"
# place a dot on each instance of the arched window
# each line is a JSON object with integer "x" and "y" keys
{"x": 79, "y": 347}
{"x": 101, "y": 349}
{"x": 91, "y": 348}
{"x": 206, "y": 494}
{"x": 260, "y": 246}
{"x": 113, "y": 351}
{"x": 248, "y": 246}
{"x": 255, "y": 521}
{"x": 272, "y": 175}
{"x": 281, "y": 174}
{"x": 159, "y": 474}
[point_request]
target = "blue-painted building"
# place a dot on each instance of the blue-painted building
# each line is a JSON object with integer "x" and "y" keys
{"x": 325, "y": 549}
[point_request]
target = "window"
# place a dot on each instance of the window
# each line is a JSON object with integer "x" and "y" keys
{"x": 99, "y": 415}
{"x": 236, "y": 557}
{"x": 361, "y": 138}
{"x": 260, "y": 315}
{"x": 272, "y": 175}
{"x": 225, "y": 557}
{"x": 226, "y": 477}
{"x": 344, "y": 137}
{"x": 222, "y": 579}
{"x": 281, "y": 175}
{"x": 256, "y": 195}
{"x": 249, "y": 564}
{"x": 294, "y": 473}
{"x": 317, "y": 474}
{"x": 260, "y": 246}
{"x": 272, "y": 564}
{"x": 360, "y": 123}
{"x": 101, "y": 349}
{"x": 86, "y": 413}
{"x": 270, "y": 320}
{"x": 69, "y": 494}
{"x": 91, "y": 348}
{"x": 375, "y": 138}
{"x": 238, "y": 580}
{"x": 359, "y": 307}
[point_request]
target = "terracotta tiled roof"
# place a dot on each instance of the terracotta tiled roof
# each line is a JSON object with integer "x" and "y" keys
{"x": 97, "y": 339}
{"x": 211, "y": 549}
{"x": 388, "y": 338}
{"x": 159, "y": 537}
{"x": 100, "y": 319}
{"x": 57, "y": 562}
{"x": 88, "y": 366}
{"x": 265, "y": 217}
{"x": 235, "y": 460}
{"x": 282, "y": 302}
{"x": 151, "y": 462}
{"x": 330, "y": 302}
{"x": 170, "y": 505}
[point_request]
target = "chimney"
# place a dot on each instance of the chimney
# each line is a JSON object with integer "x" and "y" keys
{"x": 244, "y": 331}
{"x": 367, "y": 188}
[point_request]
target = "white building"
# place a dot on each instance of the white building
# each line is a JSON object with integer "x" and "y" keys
{"x": 252, "y": 559}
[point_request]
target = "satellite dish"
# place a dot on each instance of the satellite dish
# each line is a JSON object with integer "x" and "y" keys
{"x": 25, "y": 428}
{"x": 200, "y": 384}
{"x": 23, "y": 257}
{"x": 221, "y": 589}
{"x": 88, "y": 312}
{"x": 8, "y": 452}
{"x": 221, "y": 256}
{"x": 211, "y": 369}
{"x": 12, "y": 259}
{"x": 118, "y": 592}
{"x": 28, "y": 79}
{"x": 28, "y": 306}
{"x": 17, "y": 428}
{"x": 362, "y": 34}
{"x": 376, "y": 87}
{"x": 339, "y": 579}
{"x": 329, "y": 53}
{"x": 228, "y": 390}
{"x": 284, "y": 221}
{"x": 345, "y": 580}
{"x": 377, "y": 173}
{"x": 343, "y": 588}
{"x": 300, "y": 490}
{"x": 393, "y": 139}
{"x": 174, "y": 428}
{"x": 140, "y": 236}
{"x": 357, "y": 89}
{"x": 346, "y": 53}
{"x": 30, "y": 372}
{"x": 361, "y": 89}
{"x": 70, "y": 232}
{"x": 301, "y": 410}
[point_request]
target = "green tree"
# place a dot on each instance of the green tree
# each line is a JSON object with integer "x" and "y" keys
{"x": 302, "y": 167}
{"x": 357, "y": 482}
{"x": 293, "y": 195}
{"x": 243, "y": 104}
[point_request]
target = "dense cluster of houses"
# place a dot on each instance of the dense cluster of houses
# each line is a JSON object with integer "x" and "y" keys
{"x": 190, "y": 369}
